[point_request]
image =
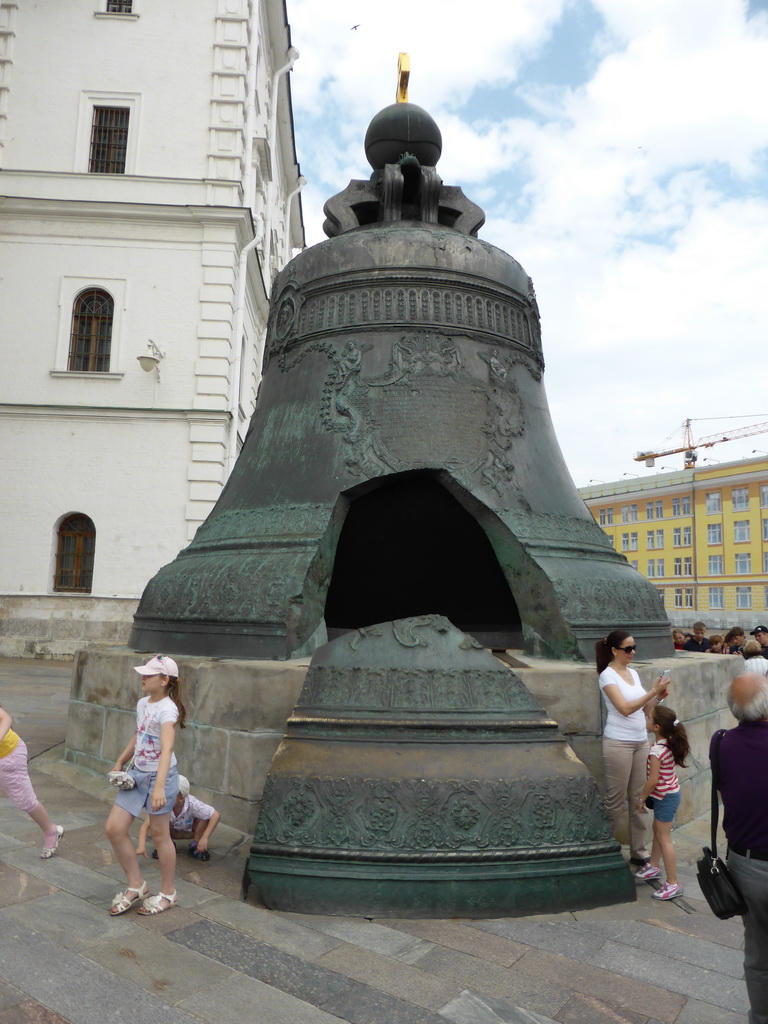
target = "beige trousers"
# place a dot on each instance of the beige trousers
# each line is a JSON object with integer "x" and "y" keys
{"x": 625, "y": 776}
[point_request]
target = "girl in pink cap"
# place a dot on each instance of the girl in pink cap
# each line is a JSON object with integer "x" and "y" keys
{"x": 153, "y": 782}
{"x": 14, "y": 779}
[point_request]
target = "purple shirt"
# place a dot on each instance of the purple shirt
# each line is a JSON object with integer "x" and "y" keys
{"x": 744, "y": 785}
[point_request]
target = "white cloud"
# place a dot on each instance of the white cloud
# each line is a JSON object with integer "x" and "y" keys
{"x": 635, "y": 197}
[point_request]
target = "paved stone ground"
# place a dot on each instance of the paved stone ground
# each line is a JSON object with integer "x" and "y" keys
{"x": 214, "y": 958}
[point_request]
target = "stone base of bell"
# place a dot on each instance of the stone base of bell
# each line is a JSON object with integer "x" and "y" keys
{"x": 441, "y": 888}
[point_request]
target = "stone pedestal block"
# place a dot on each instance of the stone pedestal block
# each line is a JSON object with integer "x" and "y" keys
{"x": 237, "y": 712}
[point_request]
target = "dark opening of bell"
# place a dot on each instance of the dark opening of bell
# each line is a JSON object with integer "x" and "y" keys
{"x": 410, "y": 548}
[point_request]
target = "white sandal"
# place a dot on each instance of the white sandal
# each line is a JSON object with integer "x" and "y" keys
{"x": 152, "y": 904}
{"x": 48, "y": 851}
{"x": 121, "y": 903}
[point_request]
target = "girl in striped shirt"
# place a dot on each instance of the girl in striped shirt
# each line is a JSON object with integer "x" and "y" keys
{"x": 670, "y": 748}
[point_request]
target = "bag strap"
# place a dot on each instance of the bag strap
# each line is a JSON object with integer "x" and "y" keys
{"x": 715, "y": 780}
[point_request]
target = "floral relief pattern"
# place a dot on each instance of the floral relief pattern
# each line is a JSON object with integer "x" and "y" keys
{"x": 528, "y": 815}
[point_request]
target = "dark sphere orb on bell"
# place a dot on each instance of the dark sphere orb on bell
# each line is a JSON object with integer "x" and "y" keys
{"x": 402, "y": 128}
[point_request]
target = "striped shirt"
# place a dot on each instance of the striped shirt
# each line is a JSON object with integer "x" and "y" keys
{"x": 667, "y": 781}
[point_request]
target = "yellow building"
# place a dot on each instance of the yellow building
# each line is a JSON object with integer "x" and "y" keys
{"x": 701, "y": 535}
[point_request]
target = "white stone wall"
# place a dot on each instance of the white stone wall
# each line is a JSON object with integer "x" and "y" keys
{"x": 144, "y": 455}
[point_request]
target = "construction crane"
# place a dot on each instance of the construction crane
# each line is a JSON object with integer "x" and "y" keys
{"x": 689, "y": 446}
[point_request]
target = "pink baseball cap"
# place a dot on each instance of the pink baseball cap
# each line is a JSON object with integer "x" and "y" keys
{"x": 158, "y": 666}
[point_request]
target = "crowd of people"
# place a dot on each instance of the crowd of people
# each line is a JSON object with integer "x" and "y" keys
{"x": 643, "y": 776}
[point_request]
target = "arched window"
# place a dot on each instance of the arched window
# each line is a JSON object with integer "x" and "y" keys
{"x": 91, "y": 337}
{"x": 74, "y": 554}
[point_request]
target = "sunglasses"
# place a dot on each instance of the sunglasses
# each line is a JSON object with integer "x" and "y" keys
{"x": 630, "y": 647}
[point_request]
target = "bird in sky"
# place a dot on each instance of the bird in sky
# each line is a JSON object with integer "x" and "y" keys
{"x": 354, "y": 28}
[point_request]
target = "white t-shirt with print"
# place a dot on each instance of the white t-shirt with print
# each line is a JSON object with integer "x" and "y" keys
{"x": 149, "y": 718}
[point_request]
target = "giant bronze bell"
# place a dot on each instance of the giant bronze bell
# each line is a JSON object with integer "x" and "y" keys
{"x": 419, "y": 778}
{"x": 401, "y": 460}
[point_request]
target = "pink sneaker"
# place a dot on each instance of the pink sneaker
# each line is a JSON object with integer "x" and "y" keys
{"x": 668, "y": 891}
{"x": 648, "y": 872}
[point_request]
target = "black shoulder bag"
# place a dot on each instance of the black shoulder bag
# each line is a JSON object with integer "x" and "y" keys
{"x": 719, "y": 888}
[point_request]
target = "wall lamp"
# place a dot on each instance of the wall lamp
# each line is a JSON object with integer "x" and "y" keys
{"x": 631, "y": 474}
{"x": 758, "y": 451}
{"x": 150, "y": 360}
{"x": 597, "y": 481}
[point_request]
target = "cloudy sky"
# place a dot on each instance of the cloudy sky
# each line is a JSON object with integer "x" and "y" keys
{"x": 619, "y": 149}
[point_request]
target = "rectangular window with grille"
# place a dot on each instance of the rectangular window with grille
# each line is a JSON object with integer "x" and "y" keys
{"x": 715, "y": 565}
{"x": 714, "y": 533}
{"x": 743, "y": 563}
{"x": 659, "y": 566}
{"x": 678, "y": 597}
{"x": 687, "y": 567}
{"x": 686, "y": 506}
{"x": 677, "y": 565}
{"x": 743, "y": 597}
{"x": 650, "y": 539}
{"x": 686, "y": 536}
{"x": 651, "y": 567}
{"x": 659, "y": 509}
{"x": 109, "y": 140}
{"x": 688, "y": 597}
{"x": 764, "y": 495}
{"x": 659, "y": 538}
{"x": 716, "y": 597}
{"x": 677, "y": 537}
{"x": 649, "y": 509}
{"x": 740, "y": 497}
{"x": 119, "y": 6}
{"x": 741, "y": 530}
{"x": 713, "y": 501}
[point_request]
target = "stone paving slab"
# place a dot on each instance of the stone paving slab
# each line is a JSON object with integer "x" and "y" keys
{"x": 240, "y": 999}
{"x": 69, "y": 985}
{"x": 378, "y": 938}
{"x": 564, "y": 936}
{"x": 70, "y": 922}
{"x": 463, "y": 938}
{"x": 149, "y": 961}
{"x": 258, "y": 960}
{"x": 542, "y": 995}
{"x": 689, "y": 980}
{"x": 684, "y": 948}
{"x": 585, "y": 1009}
{"x": 471, "y": 1008}
{"x": 614, "y": 989}
{"x": 30, "y": 1012}
{"x": 16, "y": 886}
{"x": 276, "y": 929}
{"x": 697, "y": 1012}
{"x": 363, "y": 1005}
{"x": 388, "y": 975}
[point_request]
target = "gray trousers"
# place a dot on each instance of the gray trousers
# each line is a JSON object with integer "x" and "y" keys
{"x": 751, "y": 876}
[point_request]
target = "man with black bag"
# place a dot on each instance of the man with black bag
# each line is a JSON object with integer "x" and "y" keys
{"x": 743, "y": 785}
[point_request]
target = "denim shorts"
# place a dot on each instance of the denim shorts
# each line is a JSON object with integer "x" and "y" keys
{"x": 666, "y": 808}
{"x": 133, "y": 800}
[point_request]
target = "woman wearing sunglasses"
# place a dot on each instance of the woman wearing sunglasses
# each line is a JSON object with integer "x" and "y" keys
{"x": 625, "y": 738}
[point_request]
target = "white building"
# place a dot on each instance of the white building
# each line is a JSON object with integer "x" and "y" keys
{"x": 148, "y": 193}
